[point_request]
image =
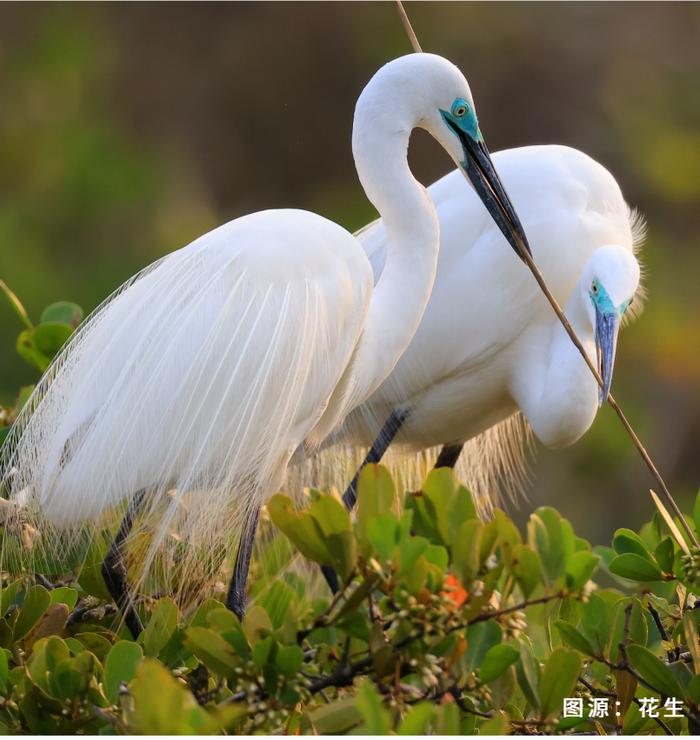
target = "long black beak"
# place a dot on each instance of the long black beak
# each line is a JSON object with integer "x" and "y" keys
{"x": 607, "y": 325}
{"x": 479, "y": 168}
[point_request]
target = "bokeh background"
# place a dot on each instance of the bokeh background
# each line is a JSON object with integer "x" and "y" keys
{"x": 128, "y": 129}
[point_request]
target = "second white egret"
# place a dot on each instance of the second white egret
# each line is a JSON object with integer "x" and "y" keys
{"x": 489, "y": 345}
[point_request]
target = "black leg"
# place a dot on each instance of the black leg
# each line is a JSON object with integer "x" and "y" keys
{"x": 114, "y": 568}
{"x": 235, "y": 600}
{"x": 449, "y": 454}
{"x": 376, "y": 452}
{"x": 381, "y": 444}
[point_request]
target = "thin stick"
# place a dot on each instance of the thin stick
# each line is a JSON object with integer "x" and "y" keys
{"x": 525, "y": 255}
{"x": 408, "y": 27}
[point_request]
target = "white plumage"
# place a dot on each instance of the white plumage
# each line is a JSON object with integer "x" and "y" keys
{"x": 200, "y": 377}
{"x": 489, "y": 345}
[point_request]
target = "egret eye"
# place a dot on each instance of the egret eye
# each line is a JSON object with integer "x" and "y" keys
{"x": 594, "y": 288}
{"x": 460, "y": 111}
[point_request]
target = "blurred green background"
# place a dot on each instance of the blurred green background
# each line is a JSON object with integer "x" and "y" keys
{"x": 128, "y": 129}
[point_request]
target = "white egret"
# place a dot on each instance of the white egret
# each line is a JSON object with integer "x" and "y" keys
{"x": 489, "y": 345}
{"x": 191, "y": 387}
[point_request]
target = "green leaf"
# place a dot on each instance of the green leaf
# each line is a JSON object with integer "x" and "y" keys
{"x": 38, "y": 346}
{"x": 4, "y": 671}
{"x": 336, "y": 717}
{"x": 447, "y": 720}
{"x": 553, "y": 539}
{"x": 559, "y": 677}
{"x": 8, "y": 596}
{"x": 162, "y": 705}
{"x": 496, "y": 660}
{"x": 635, "y": 567}
{"x": 382, "y": 534}
{"x": 300, "y": 527}
{"x": 62, "y": 312}
{"x": 528, "y": 673}
{"x": 95, "y": 643}
{"x": 200, "y": 618}
{"x": 439, "y": 491}
{"x": 480, "y": 638}
{"x": 276, "y": 600}
{"x": 375, "y": 497}
{"x": 637, "y": 628}
{"x": 90, "y": 578}
{"x": 664, "y": 554}
{"x": 160, "y": 627}
{"x": 466, "y": 548}
{"x": 579, "y": 569}
{"x": 36, "y": 602}
{"x": 526, "y": 569}
{"x": 573, "y": 637}
{"x": 213, "y": 650}
{"x": 334, "y": 521}
{"x": 410, "y": 549}
{"x": 289, "y": 659}
{"x": 627, "y": 541}
{"x": 120, "y": 667}
{"x": 64, "y": 595}
{"x": 417, "y": 719}
{"x": 376, "y": 718}
{"x": 498, "y": 725}
{"x": 654, "y": 671}
{"x": 596, "y": 623}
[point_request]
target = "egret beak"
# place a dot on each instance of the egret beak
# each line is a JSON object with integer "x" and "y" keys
{"x": 478, "y": 167}
{"x": 607, "y": 325}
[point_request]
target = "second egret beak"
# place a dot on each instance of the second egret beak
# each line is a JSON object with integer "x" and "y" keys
{"x": 478, "y": 167}
{"x": 607, "y": 326}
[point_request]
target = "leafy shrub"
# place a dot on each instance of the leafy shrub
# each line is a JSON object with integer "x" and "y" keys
{"x": 444, "y": 624}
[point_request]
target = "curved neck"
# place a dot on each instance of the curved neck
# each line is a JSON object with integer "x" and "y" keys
{"x": 553, "y": 386}
{"x": 413, "y": 238}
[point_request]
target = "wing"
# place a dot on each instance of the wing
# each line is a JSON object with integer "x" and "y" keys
{"x": 195, "y": 381}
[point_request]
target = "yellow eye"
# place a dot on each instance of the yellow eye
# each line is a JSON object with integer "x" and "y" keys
{"x": 460, "y": 111}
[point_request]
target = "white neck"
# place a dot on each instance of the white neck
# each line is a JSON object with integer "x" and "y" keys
{"x": 553, "y": 386}
{"x": 402, "y": 292}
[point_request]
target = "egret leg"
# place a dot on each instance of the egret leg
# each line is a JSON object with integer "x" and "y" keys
{"x": 114, "y": 568}
{"x": 235, "y": 599}
{"x": 449, "y": 454}
{"x": 376, "y": 452}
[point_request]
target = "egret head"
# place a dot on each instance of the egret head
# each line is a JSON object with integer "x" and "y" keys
{"x": 609, "y": 283}
{"x": 427, "y": 91}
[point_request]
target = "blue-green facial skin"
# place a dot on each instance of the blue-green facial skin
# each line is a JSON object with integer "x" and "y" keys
{"x": 602, "y": 301}
{"x": 463, "y": 116}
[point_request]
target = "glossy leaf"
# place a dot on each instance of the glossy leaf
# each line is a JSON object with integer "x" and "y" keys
{"x": 496, "y": 660}
{"x": 635, "y": 568}
{"x": 120, "y": 667}
{"x": 559, "y": 677}
{"x": 573, "y": 638}
{"x": 654, "y": 671}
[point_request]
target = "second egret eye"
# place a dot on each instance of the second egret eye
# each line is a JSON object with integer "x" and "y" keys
{"x": 460, "y": 111}
{"x": 594, "y": 287}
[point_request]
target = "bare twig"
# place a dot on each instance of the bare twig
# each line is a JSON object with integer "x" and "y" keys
{"x": 408, "y": 27}
{"x": 525, "y": 255}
